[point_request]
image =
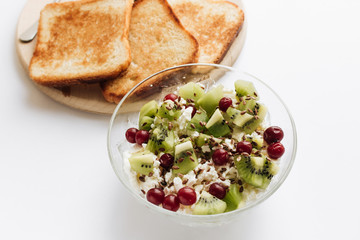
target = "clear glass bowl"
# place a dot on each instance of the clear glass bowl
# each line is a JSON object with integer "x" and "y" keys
{"x": 126, "y": 116}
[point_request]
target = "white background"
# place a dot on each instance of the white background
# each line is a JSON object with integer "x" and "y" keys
{"x": 56, "y": 181}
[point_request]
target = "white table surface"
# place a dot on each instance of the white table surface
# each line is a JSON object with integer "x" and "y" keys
{"x": 56, "y": 181}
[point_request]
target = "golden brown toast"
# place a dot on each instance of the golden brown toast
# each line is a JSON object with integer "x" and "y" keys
{"x": 214, "y": 23}
{"x": 157, "y": 41}
{"x": 81, "y": 42}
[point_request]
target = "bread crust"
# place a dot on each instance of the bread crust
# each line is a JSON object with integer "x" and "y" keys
{"x": 236, "y": 29}
{"x": 47, "y": 46}
{"x": 116, "y": 93}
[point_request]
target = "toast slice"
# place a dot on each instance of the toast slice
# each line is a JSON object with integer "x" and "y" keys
{"x": 214, "y": 23}
{"x": 81, "y": 42}
{"x": 157, "y": 41}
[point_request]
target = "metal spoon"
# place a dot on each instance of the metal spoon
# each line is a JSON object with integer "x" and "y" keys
{"x": 30, "y": 33}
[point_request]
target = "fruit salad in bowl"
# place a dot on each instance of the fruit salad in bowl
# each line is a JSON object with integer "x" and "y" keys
{"x": 205, "y": 149}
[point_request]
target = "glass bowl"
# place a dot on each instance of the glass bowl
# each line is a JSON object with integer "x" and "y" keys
{"x": 127, "y": 112}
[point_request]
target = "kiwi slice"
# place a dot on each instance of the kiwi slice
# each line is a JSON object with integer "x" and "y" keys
{"x": 209, "y": 204}
{"x": 202, "y": 139}
{"x": 256, "y": 142}
{"x": 245, "y": 88}
{"x": 260, "y": 113}
{"x": 205, "y": 139}
{"x": 256, "y": 171}
{"x": 142, "y": 162}
{"x": 161, "y": 139}
{"x": 149, "y": 109}
{"x": 237, "y": 117}
{"x": 246, "y": 104}
{"x": 233, "y": 197}
{"x": 199, "y": 121}
{"x": 145, "y": 123}
{"x": 210, "y": 100}
{"x": 217, "y": 125}
{"x": 168, "y": 110}
{"x": 185, "y": 158}
{"x": 191, "y": 91}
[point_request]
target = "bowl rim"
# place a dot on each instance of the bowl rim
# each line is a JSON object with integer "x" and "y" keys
{"x": 220, "y": 215}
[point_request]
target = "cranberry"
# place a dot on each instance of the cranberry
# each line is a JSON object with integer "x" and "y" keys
{"x": 171, "y": 96}
{"x": 155, "y": 196}
{"x": 244, "y": 146}
{"x": 166, "y": 160}
{"x": 275, "y": 150}
{"x": 187, "y": 196}
{"x": 220, "y": 156}
{"x": 218, "y": 190}
{"x": 225, "y": 103}
{"x": 142, "y": 136}
{"x": 273, "y": 134}
{"x": 130, "y": 135}
{"x": 193, "y": 111}
{"x": 171, "y": 202}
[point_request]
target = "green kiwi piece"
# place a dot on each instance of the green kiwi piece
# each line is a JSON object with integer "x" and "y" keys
{"x": 210, "y": 100}
{"x": 161, "y": 140}
{"x": 246, "y": 104}
{"x": 192, "y": 91}
{"x": 217, "y": 125}
{"x": 168, "y": 110}
{"x": 237, "y": 117}
{"x": 202, "y": 139}
{"x": 256, "y": 142}
{"x": 185, "y": 158}
{"x": 245, "y": 88}
{"x": 199, "y": 121}
{"x": 145, "y": 123}
{"x": 142, "y": 162}
{"x": 252, "y": 125}
{"x": 233, "y": 197}
{"x": 208, "y": 204}
{"x": 149, "y": 109}
{"x": 256, "y": 171}
{"x": 206, "y": 139}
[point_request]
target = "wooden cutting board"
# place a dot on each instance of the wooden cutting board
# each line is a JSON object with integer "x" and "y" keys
{"x": 88, "y": 97}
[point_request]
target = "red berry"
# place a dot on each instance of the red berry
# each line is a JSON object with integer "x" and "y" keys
{"x": 218, "y": 190}
{"x": 171, "y": 96}
{"x": 171, "y": 202}
{"x": 273, "y": 134}
{"x": 166, "y": 160}
{"x": 187, "y": 196}
{"x": 244, "y": 146}
{"x": 193, "y": 111}
{"x": 130, "y": 135}
{"x": 155, "y": 196}
{"x": 220, "y": 156}
{"x": 225, "y": 103}
{"x": 142, "y": 136}
{"x": 275, "y": 150}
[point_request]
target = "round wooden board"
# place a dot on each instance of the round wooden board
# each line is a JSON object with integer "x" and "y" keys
{"x": 89, "y": 97}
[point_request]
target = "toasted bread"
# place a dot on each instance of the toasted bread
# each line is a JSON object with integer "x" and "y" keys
{"x": 157, "y": 41}
{"x": 81, "y": 42}
{"x": 215, "y": 24}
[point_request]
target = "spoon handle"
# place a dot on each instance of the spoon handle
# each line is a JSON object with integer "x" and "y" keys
{"x": 29, "y": 34}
